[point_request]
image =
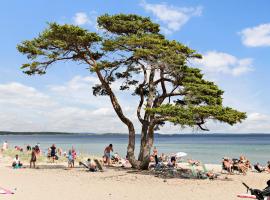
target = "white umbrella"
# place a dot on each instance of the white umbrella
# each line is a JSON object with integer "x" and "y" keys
{"x": 180, "y": 154}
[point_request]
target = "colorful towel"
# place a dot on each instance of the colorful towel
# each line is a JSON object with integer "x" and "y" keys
{"x": 5, "y": 191}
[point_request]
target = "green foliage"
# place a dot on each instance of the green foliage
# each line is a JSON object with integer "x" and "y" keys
{"x": 58, "y": 43}
{"x": 127, "y": 24}
{"x": 129, "y": 49}
{"x": 191, "y": 115}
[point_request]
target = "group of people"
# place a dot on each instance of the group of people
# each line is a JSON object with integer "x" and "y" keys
{"x": 242, "y": 165}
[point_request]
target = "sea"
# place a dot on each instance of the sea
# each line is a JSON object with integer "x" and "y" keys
{"x": 208, "y": 148}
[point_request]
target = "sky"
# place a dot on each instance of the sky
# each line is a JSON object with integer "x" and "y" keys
{"x": 233, "y": 37}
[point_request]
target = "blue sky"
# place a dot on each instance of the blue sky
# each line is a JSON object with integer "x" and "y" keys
{"x": 233, "y": 36}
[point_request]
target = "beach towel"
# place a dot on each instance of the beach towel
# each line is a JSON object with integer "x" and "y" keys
{"x": 5, "y": 191}
{"x": 246, "y": 196}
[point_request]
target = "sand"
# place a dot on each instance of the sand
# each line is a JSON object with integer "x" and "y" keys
{"x": 78, "y": 184}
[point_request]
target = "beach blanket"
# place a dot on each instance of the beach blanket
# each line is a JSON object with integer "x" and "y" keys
{"x": 246, "y": 196}
{"x": 5, "y": 191}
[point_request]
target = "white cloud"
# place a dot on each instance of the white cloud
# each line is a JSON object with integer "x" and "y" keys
{"x": 71, "y": 107}
{"x": 173, "y": 17}
{"x": 17, "y": 94}
{"x": 224, "y": 63}
{"x": 256, "y": 36}
{"x": 81, "y": 18}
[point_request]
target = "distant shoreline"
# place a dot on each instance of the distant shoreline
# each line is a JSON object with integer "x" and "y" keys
{"x": 125, "y": 134}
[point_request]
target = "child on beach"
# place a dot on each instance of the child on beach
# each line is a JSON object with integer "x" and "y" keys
{"x": 70, "y": 159}
{"x": 16, "y": 162}
{"x": 33, "y": 158}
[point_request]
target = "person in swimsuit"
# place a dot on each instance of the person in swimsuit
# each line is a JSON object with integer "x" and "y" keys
{"x": 53, "y": 152}
{"x": 33, "y": 158}
{"x": 107, "y": 154}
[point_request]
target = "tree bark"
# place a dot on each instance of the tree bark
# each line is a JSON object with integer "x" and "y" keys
{"x": 123, "y": 118}
{"x": 144, "y": 154}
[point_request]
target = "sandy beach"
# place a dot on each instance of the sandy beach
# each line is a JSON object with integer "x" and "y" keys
{"x": 114, "y": 183}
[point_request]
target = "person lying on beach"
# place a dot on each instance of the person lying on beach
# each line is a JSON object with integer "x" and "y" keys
{"x": 125, "y": 163}
{"x": 259, "y": 168}
{"x": 18, "y": 148}
{"x": 107, "y": 154}
{"x": 194, "y": 162}
{"x": 116, "y": 158}
{"x": 16, "y": 162}
{"x": 33, "y": 158}
{"x": 227, "y": 164}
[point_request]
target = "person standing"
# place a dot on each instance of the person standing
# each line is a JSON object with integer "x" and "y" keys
{"x": 5, "y": 146}
{"x": 107, "y": 154}
{"x": 33, "y": 158}
{"x": 53, "y": 152}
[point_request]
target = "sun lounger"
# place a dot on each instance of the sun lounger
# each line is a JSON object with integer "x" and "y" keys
{"x": 99, "y": 166}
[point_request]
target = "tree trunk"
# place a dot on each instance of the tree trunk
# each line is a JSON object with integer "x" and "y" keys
{"x": 143, "y": 140}
{"x": 146, "y": 148}
{"x": 123, "y": 118}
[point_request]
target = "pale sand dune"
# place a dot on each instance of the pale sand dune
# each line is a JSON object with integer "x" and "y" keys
{"x": 77, "y": 184}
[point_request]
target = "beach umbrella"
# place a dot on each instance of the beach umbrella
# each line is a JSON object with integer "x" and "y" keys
{"x": 180, "y": 154}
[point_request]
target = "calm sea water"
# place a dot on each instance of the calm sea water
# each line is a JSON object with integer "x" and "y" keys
{"x": 209, "y": 148}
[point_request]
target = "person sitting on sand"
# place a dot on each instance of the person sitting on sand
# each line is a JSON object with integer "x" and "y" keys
{"x": 16, "y": 162}
{"x": 243, "y": 165}
{"x": 33, "y": 158}
{"x": 267, "y": 167}
{"x": 227, "y": 164}
{"x": 53, "y": 152}
{"x": 91, "y": 165}
{"x": 155, "y": 155}
{"x": 163, "y": 157}
{"x": 172, "y": 162}
{"x": 107, "y": 154}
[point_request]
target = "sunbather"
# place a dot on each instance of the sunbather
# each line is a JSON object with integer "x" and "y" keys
{"x": 259, "y": 168}
{"x": 92, "y": 165}
{"x": 227, "y": 164}
{"x": 194, "y": 162}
